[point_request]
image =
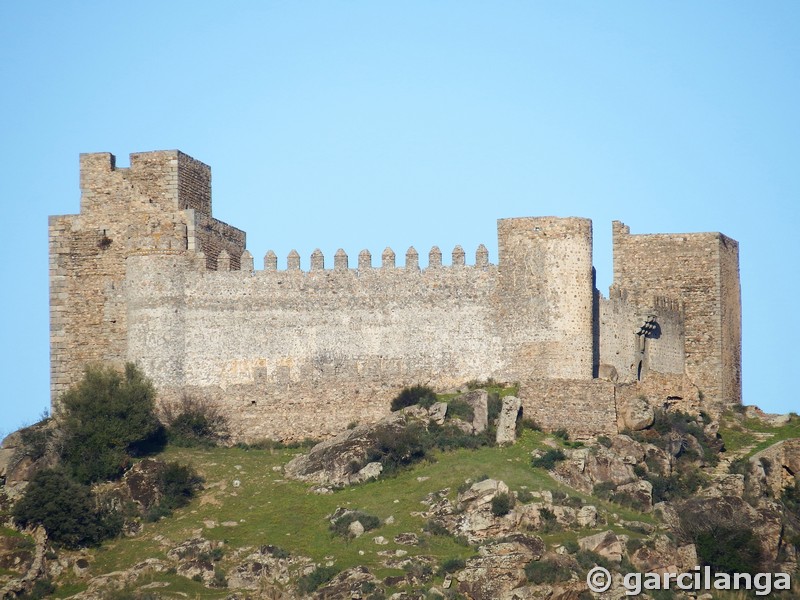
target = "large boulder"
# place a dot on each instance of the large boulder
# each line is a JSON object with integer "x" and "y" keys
{"x": 607, "y": 544}
{"x": 479, "y": 401}
{"x": 507, "y": 422}
{"x": 340, "y": 460}
{"x": 635, "y": 414}
{"x": 586, "y": 467}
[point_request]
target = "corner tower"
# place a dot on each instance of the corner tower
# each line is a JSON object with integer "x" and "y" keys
{"x": 161, "y": 204}
{"x": 702, "y": 270}
{"x": 546, "y": 293}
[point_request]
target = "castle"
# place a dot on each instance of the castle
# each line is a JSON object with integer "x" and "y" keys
{"x": 145, "y": 274}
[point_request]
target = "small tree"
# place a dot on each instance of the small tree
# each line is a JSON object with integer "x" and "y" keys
{"x": 65, "y": 509}
{"x": 108, "y": 417}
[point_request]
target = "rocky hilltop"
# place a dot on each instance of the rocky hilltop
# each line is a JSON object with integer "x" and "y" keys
{"x": 451, "y": 496}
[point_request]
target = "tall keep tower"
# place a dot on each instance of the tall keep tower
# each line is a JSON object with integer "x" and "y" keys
{"x": 161, "y": 204}
{"x": 702, "y": 270}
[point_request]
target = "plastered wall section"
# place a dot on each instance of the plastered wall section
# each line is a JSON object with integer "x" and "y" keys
{"x": 124, "y": 211}
{"x": 620, "y": 320}
{"x": 702, "y": 271}
{"x": 291, "y": 354}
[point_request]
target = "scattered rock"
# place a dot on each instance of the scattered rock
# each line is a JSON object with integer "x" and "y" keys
{"x": 407, "y": 539}
{"x": 355, "y": 529}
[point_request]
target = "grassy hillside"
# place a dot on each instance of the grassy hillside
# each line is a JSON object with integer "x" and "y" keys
{"x": 264, "y": 508}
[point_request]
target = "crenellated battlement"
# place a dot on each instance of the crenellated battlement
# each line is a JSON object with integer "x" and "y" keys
{"x": 341, "y": 260}
{"x": 145, "y": 273}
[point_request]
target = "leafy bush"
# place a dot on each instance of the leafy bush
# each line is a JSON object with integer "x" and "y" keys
{"x": 66, "y": 509}
{"x": 341, "y": 525}
{"x": 561, "y": 433}
{"x": 549, "y": 521}
{"x": 731, "y": 549}
{"x": 178, "y": 484}
{"x": 494, "y": 406}
{"x": 435, "y": 528}
{"x": 195, "y": 422}
{"x": 547, "y": 570}
{"x": 42, "y": 588}
{"x": 462, "y": 410}
{"x": 549, "y": 459}
{"x": 451, "y": 565}
{"x": 604, "y": 440}
{"x": 525, "y": 496}
{"x": 502, "y": 504}
{"x": 319, "y": 576}
{"x": 395, "y": 450}
{"x": 108, "y": 417}
{"x": 587, "y": 559}
{"x": 413, "y": 395}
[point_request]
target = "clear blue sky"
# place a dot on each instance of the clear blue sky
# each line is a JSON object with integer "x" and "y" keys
{"x": 367, "y": 124}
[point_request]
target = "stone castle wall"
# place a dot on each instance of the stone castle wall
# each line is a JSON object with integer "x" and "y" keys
{"x": 702, "y": 270}
{"x": 143, "y": 208}
{"x": 145, "y": 273}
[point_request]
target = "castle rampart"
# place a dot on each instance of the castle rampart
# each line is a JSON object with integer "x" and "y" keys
{"x": 145, "y": 273}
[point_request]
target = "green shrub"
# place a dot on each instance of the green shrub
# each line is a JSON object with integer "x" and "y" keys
{"x": 42, "y": 588}
{"x": 549, "y": 521}
{"x": 413, "y": 395}
{"x": 451, "y": 565}
{"x": 108, "y": 417}
{"x": 525, "y": 496}
{"x": 66, "y": 509}
{"x": 194, "y": 422}
{"x": 561, "y": 433}
{"x": 502, "y": 504}
{"x": 178, "y": 484}
{"x": 395, "y": 450}
{"x": 571, "y": 546}
{"x": 341, "y": 525}
{"x": 549, "y": 459}
{"x": 604, "y": 440}
{"x": 494, "y": 406}
{"x": 462, "y": 410}
{"x": 435, "y": 528}
{"x": 729, "y": 550}
{"x": 319, "y": 576}
{"x": 587, "y": 559}
{"x": 547, "y": 570}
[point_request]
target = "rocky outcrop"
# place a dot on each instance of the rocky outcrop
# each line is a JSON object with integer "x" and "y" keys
{"x": 24, "y": 453}
{"x": 479, "y": 401}
{"x": 635, "y": 414}
{"x": 777, "y": 467}
{"x": 499, "y": 567}
{"x": 339, "y": 461}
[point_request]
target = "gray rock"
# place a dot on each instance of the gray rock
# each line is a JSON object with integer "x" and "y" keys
{"x": 587, "y": 516}
{"x": 437, "y": 412}
{"x": 479, "y": 401}
{"x": 636, "y": 414}
{"x": 355, "y": 529}
{"x": 507, "y": 422}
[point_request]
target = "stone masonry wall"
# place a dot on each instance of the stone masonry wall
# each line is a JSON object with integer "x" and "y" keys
{"x": 145, "y": 273}
{"x": 620, "y": 320}
{"x": 583, "y": 408}
{"x": 546, "y": 294}
{"x": 292, "y": 354}
{"x": 689, "y": 267}
{"x": 123, "y": 212}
